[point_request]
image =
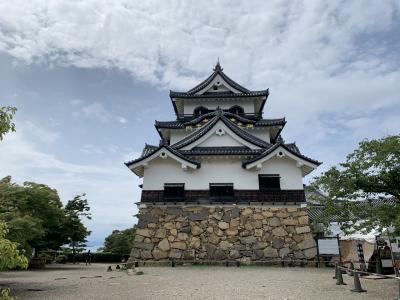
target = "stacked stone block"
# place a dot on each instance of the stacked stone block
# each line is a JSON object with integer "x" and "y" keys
{"x": 251, "y": 233}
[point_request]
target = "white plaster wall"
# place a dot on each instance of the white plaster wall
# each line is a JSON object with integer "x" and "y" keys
{"x": 220, "y": 141}
{"x": 177, "y": 135}
{"x": 220, "y": 170}
{"x": 190, "y": 105}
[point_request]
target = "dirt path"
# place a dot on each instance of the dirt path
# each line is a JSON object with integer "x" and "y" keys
{"x": 190, "y": 282}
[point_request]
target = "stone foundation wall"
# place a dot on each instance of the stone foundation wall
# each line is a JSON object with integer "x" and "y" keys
{"x": 245, "y": 233}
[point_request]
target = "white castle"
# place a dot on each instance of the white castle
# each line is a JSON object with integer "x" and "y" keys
{"x": 222, "y": 183}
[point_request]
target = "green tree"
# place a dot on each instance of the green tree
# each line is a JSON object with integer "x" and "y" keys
{"x": 6, "y": 115}
{"x": 119, "y": 241}
{"x": 76, "y": 232}
{"x": 10, "y": 258}
{"x": 34, "y": 214}
{"x": 371, "y": 174}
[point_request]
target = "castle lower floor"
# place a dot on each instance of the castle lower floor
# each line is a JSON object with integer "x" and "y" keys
{"x": 222, "y": 232}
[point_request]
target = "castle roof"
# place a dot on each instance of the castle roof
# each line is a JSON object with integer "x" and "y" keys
{"x": 234, "y": 90}
{"x": 210, "y": 124}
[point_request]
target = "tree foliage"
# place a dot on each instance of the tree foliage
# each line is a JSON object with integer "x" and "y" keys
{"x": 6, "y": 115}
{"x": 363, "y": 192}
{"x": 75, "y": 230}
{"x": 36, "y": 217}
{"x": 119, "y": 241}
{"x": 10, "y": 257}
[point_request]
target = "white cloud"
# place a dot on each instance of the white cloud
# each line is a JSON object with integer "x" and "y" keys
{"x": 122, "y": 120}
{"x": 165, "y": 42}
{"x": 110, "y": 187}
{"x": 96, "y": 110}
{"x": 39, "y": 133}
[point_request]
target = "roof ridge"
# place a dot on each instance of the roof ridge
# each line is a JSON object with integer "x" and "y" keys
{"x": 169, "y": 148}
{"x": 274, "y": 147}
{"x": 219, "y": 116}
{"x": 218, "y": 70}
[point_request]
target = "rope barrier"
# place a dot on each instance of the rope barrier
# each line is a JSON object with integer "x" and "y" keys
{"x": 357, "y": 288}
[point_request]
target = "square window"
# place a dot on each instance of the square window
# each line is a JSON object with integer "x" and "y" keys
{"x": 221, "y": 190}
{"x": 269, "y": 182}
{"x": 174, "y": 191}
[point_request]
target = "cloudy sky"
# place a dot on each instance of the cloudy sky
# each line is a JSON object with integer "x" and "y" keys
{"x": 90, "y": 77}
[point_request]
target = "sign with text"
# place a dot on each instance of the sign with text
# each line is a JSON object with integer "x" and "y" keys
{"x": 328, "y": 246}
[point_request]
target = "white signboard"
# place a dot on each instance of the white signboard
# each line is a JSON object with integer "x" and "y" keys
{"x": 387, "y": 263}
{"x": 328, "y": 246}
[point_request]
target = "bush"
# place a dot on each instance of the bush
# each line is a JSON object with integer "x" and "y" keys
{"x": 61, "y": 259}
{"x": 47, "y": 257}
{"x": 5, "y": 294}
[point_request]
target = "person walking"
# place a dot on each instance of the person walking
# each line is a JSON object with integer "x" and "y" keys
{"x": 88, "y": 258}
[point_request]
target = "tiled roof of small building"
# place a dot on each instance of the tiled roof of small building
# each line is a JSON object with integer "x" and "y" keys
{"x": 317, "y": 210}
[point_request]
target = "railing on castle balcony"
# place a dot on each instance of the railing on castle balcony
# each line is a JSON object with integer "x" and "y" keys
{"x": 239, "y": 196}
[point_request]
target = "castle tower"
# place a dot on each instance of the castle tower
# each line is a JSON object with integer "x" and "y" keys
{"x": 222, "y": 183}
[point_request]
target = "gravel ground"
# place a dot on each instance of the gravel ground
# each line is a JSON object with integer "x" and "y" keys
{"x": 189, "y": 282}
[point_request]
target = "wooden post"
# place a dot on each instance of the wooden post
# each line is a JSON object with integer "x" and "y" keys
{"x": 316, "y": 241}
{"x": 340, "y": 251}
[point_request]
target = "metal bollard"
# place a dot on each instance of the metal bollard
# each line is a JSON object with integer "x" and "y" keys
{"x": 238, "y": 264}
{"x": 378, "y": 267}
{"x": 352, "y": 268}
{"x": 227, "y": 264}
{"x": 339, "y": 277}
{"x": 336, "y": 270}
{"x": 357, "y": 284}
{"x": 173, "y": 264}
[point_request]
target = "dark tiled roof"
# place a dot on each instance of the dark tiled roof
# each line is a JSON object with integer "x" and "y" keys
{"x": 203, "y": 130}
{"x": 242, "y": 119}
{"x": 293, "y": 147}
{"x": 215, "y": 113}
{"x": 220, "y": 151}
{"x": 290, "y": 148}
{"x": 217, "y": 71}
{"x": 150, "y": 152}
{"x": 169, "y": 124}
{"x": 148, "y": 149}
{"x": 174, "y": 94}
{"x": 270, "y": 122}
{"x": 316, "y": 211}
{"x": 196, "y": 135}
{"x": 244, "y": 134}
